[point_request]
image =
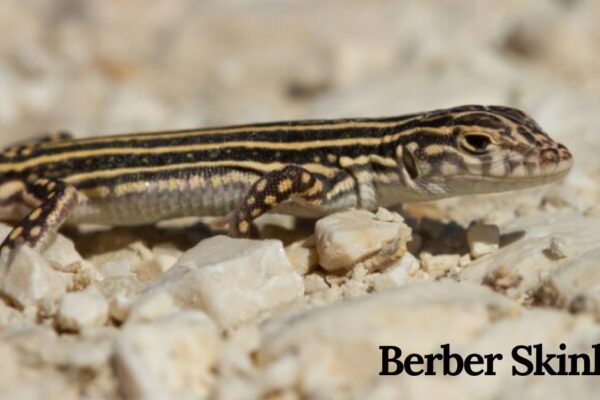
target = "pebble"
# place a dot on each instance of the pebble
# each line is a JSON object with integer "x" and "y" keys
{"x": 399, "y": 274}
{"x": 483, "y": 239}
{"x": 30, "y": 279}
{"x": 303, "y": 255}
{"x": 347, "y": 238}
{"x": 558, "y": 248}
{"x": 80, "y": 310}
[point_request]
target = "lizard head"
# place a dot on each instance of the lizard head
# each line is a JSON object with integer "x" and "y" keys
{"x": 480, "y": 149}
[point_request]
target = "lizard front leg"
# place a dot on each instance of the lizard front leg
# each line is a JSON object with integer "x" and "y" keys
{"x": 56, "y": 200}
{"x": 271, "y": 190}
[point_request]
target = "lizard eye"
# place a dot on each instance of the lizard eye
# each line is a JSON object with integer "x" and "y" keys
{"x": 477, "y": 144}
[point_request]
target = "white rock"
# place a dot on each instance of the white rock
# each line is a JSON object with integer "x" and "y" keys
{"x": 545, "y": 326}
{"x": 398, "y": 274}
{"x": 483, "y": 239}
{"x": 10, "y": 370}
{"x": 150, "y": 270}
{"x": 314, "y": 283}
{"x": 62, "y": 253}
{"x": 303, "y": 255}
{"x": 152, "y": 306}
{"x": 237, "y": 378}
{"x": 335, "y": 348}
{"x": 79, "y": 310}
{"x": 119, "y": 307}
{"x": 232, "y": 280}
{"x": 558, "y": 247}
{"x": 440, "y": 265}
{"x": 30, "y": 278}
{"x": 525, "y": 253}
{"x": 13, "y": 318}
{"x": 575, "y": 284}
{"x": 170, "y": 357}
{"x": 347, "y": 238}
{"x": 122, "y": 262}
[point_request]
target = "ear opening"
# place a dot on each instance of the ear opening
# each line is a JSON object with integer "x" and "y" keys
{"x": 409, "y": 164}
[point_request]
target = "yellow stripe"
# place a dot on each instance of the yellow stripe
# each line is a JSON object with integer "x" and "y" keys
{"x": 236, "y": 129}
{"x": 202, "y": 147}
{"x": 210, "y": 146}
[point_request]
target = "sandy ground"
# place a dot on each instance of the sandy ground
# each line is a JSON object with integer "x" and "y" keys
{"x": 133, "y": 313}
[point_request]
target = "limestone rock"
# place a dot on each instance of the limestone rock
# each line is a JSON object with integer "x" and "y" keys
{"x": 526, "y": 244}
{"x": 119, "y": 307}
{"x": 347, "y": 238}
{"x": 122, "y": 262}
{"x": 152, "y": 306}
{"x": 170, "y": 357}
{"x": 398, "y": 274}
{"x": 303, "y": 255}
{"x": 574, "y": 285}
{"x": 79, "y": 310}
{"x": 30, "y": 278}
{"x": 335, "y": 347}
{"x": 231, "y": 279}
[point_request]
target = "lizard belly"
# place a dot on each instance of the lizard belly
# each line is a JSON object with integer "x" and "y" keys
{"x": 153, "y": 204}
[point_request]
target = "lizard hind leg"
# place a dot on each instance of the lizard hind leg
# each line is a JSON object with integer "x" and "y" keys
{"x": 271, "y": 190}
{"x": 57, "y": 199}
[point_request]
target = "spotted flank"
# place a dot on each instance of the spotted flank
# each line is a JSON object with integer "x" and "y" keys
{"x": 305, "y": 168}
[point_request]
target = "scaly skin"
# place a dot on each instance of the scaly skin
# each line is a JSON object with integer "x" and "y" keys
{"x": 303, "y": 168}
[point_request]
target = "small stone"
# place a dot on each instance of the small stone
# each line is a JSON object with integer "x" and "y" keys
{"x": 122, "y": 262}
{"x": 47, "y": 308}
{"x": 483, "y": 239}
{"x": 233, "y": 280}
{"x": 558, "y": 248}
{"x": 385, "y": 215}
{"x": 347, "y": 238}
{"x": 171, "y": 357}
{"x": 398, "y": 274}
{"x": 84, "y": 275}
{"x": 79, "y": 310}
{"x": 150, "y": 270}
{"x": 439, "y": 265}
{"x": 303, "y": 255}
{"x": 30, "y": 278}
{"x": 119, "y": 307}
{"x": 62, "y": 255}
{"x": 575, "y": 284}
{"x": 129, "y": 286}
{"x": 152, "y": 306}
{"x": 501, "y": 279}
{"x": 354, "y": 288}
{"x": 314, "y": 283}
{"x": 465, "y": 259}
{"x": 332, "y": 295}
{"x": 281, "y": 374}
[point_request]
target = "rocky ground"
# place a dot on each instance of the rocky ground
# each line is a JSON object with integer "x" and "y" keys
{"x": 175, "y": 311}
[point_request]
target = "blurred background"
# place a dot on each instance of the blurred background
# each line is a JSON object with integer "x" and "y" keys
{"x": 110, "y": 66}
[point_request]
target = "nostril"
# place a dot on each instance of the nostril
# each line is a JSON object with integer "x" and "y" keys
{"x": 550, "y": 156}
